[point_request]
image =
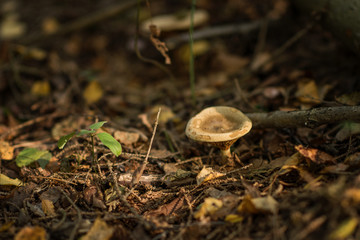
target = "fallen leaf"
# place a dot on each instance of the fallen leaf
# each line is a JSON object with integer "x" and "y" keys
{"x": 126, "y": 138}
{"x": 351, "y": 99}
{"x": 50, "y": 25}
{"x": 207, "y": 174}
{"x": 209, "y": 207}
{"x": 169, "y": 208}
{"x": 5, "y": 180}
{"x": 11, "y": 27}
{"x": 6, "y": 151}
{"x": 99, "y": 230}
{"x": 315, "y": 155}
{"x": 261, "y": 61}
{"x": 40, "y": 88}
{"x": 93, "y": 92}
{"x": 347, "y": 130}
{"x": 234, "y": 218}
{"x": 258, "y": 205}
{"x": 48, "y": 207}
{"x": 31, "y": 52}
{"x": 31, "y": 233}
{"x": 199, "y": 48}
{"x": 307, "y": 91}
{"x": 353, "y": 160}
{"x": 345, "y": 229}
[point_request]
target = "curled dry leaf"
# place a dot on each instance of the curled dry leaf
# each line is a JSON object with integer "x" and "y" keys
{"x": 207, "y": 174}
{"x": 258, "y": 205}
{"x": 315, "y": 155}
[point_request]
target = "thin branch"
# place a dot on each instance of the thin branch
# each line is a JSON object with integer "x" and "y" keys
{"x": 305, "y": 118}
{"x": 139, "y": 172}
{"x": 211, "y": 32}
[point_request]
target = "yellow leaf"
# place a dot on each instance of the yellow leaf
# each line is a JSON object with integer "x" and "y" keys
{"x": 5, "y": 180}
{"x": 209, "y": 207}
{"x": 207, "y": 174}
{"x": 93, "y": 92}
{"x": 40, "y": 88}
{"x": 234, "y": 218}
{"x": 345, "y": 229}
{"x": 11, "y": 27}
{"x": 6, "y": 151}
{"x": 31, "y": 233}
{"x": 307, "y": 92}
{"x": 48, "y": 207}
{"x": 99, "y": 230}
{"x": 258, "y": 205}
{"x": 50, "y": 25}
{"x": 199, "y": 48}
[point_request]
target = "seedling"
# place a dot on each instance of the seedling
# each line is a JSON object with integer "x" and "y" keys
{"x": 105, "y": 138}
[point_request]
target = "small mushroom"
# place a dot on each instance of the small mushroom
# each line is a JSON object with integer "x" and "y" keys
{"x": 219, "y": 126}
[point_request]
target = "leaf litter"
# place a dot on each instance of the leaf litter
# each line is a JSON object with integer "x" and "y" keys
{"x": 282, "y": 184}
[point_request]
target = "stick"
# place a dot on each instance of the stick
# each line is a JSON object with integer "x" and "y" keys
{"x": 305, "y": 118}
{"x": 139, "y": 172}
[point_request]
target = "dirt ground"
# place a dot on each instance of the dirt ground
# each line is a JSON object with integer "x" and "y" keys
{"x": 68, "y": 64}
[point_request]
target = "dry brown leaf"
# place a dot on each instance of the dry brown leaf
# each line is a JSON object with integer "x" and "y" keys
{"x": 258, "y": 205}
{"x": 6, "y": 151}
{"x": 99, "y": 230}
{"x": 307, "y": 92}
{"x": 207, "y": 174}
{"x": 48, "y": 207}
{"x": 315, "y": 155}
{"x": 159, "y": 45}
{"x": 126, "y": 138}
{"x": 169, "y": 208}
{"x": 31, "y": 233}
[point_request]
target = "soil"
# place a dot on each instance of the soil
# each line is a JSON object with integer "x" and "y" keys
{"x": 58, "y": 76}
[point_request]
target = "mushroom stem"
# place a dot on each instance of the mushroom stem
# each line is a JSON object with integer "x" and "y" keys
{"x": 226, "y": 153}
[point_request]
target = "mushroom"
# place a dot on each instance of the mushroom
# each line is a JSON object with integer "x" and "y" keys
{"x": 219, "y": 126}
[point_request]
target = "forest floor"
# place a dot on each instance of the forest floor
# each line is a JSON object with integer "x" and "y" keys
{"x": 68, "y": 64}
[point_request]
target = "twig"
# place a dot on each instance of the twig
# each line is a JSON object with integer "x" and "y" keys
{"x": 210, "y": 32}
{"x": 85, "y": 21}
{"x": 138, "y": 54}
{"x": 139, "y": 172}
{"x": 121, "y": 196}
{"x": 32, "y": 122}
{"x": 78, "y": 221}
{"x": 305, "y": 118}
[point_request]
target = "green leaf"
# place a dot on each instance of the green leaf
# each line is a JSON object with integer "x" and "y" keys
{"x": 64, "y": 139}
{"x": 97, "y": 125}
{"x": 30, "y": 155}
{"x": 110, "y": 142}
{"x": 5, "y": 180}
{"x": 84, "y": 131}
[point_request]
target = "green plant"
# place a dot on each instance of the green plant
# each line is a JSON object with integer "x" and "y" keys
{"x": 105, "y": 138}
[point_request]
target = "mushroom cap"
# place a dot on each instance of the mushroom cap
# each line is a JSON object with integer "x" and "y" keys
{"x": 218, "y": 124}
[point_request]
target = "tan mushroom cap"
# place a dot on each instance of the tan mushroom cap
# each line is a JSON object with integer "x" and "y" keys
{"x": 218, "y": 124}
